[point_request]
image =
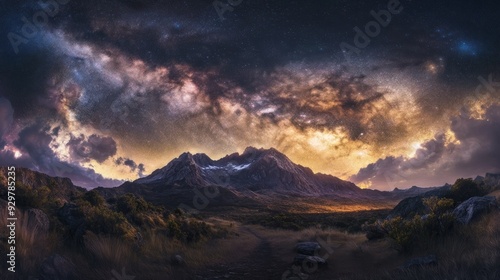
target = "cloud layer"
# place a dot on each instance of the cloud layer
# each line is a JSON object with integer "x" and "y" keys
{"x": 108, "y": 90}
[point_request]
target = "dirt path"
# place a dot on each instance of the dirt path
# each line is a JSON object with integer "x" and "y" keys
{"x": 259, "y": 264}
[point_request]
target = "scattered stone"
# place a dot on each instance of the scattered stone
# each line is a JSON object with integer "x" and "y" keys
{"x": 420, "y": 262}
{"x": 309, "y": 260}
{"x": 57, "y": 267}
{"x": 474, "y": 207}
{"x": 178, "y": 260}
{"x": 307, "y": 248}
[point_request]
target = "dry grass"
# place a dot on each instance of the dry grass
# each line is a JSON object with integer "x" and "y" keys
{"x": 346, "y": 254}
{"x": 32, "y": 246}
{"x": 153, "y": 258}
{"x": 472, "y": 253}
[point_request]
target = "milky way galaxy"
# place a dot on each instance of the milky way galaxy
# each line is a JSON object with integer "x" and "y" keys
{"x": 107, "y": 91}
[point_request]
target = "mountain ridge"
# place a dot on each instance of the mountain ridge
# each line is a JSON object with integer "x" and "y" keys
{"x": 254, "y": 169}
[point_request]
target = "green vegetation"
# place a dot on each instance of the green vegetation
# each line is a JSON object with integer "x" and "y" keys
{"x": 128, "y": 215}
{"x": 351, "y": 222}
{"x": 127, "y": 231}
{"x": 436, "y": 222}
{"x": 464, "y": 189}
{"x": 410, "y": 233}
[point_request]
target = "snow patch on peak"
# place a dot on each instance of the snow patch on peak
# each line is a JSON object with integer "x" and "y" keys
{"x": 230, "y": 167}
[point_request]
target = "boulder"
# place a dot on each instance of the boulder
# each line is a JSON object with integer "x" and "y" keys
{"x": 57, "y": 267}
{"x": 474, "y": 207}
{"x": 71, "y": 216}
{"x": 410, "y": 206}
{"x": 300, "y": 259}
{"x": 37, "y": 221}
{"x": 178, "y": 260}
{"x": 307, "y": 248}
{"x": 420, "y": 262}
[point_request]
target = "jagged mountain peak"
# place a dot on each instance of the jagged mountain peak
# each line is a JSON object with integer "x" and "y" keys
{"x": 252, "y": 150}
{"x": 256, "y": 169}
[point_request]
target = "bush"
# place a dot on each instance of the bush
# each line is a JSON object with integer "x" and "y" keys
{"x": 464, "y": 189}
{"x": 138, "y": 211}
{"x": 409, "y": 233}
{"x": 194, "y": 231}
{"x": 174, "y": 230}
{"x": 29, "y": 197}
{"x": 102, "y": 220}
{"x": 438, "y": 206}
{"x": 404, "y": 232}
{"x": 94, "y": 198}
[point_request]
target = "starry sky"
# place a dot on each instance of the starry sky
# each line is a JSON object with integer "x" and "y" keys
{"x": 384, "y": 93}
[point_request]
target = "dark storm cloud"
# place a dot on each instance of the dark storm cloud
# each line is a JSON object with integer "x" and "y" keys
{"x": 478, "y": 152}
{"x": 7, "y": 158}
{"x": 34, "y": 143}
{"x": 385, "y": 170}
{"x": 238, "y": 51}
{"x": 100, "y": 63}
{"x": 336, "y": 99}
{"x": 132, "y": 165}
{"x": 475, "y": 154}
{"x": 378, "y": 170}
{"x": 94, "y": 147}
{"x": 24, "y": 80}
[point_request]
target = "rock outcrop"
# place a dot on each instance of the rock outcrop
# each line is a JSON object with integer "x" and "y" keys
{"x": 307, "y": 248}
{"x": 469, "y": 210}
{"x": 414, "y": 205}
{"x": 307, "y": 255}
{"x": 57, "y": 267}
{"x": 309, "y": 261}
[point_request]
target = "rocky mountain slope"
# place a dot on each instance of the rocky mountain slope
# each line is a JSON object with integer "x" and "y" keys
{"x": 257, "y": 170}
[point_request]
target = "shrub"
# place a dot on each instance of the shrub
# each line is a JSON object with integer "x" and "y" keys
{"x": 174, "y": 229}
{"x": 464, "y": 189}
{"x": 129, "y": 203}
{"x": 94, "y": 198}
{"x": 438, "y": 206}
{"x": 29, "y": 197}
{"x": 126, "y": 203}
{"x": 138, "y": 211}
{"x": 194, "y": 231}
{"x": 404, "y": 232}
{"x": 100, "y": 219}
{"x": 409, "y": 233}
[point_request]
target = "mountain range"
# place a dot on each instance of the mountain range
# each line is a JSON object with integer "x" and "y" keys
{"x": 254, "y": 177}
{"x": 255, "y": 170}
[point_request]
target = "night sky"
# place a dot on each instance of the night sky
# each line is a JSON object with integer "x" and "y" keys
{"x": 106, "y": 91}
